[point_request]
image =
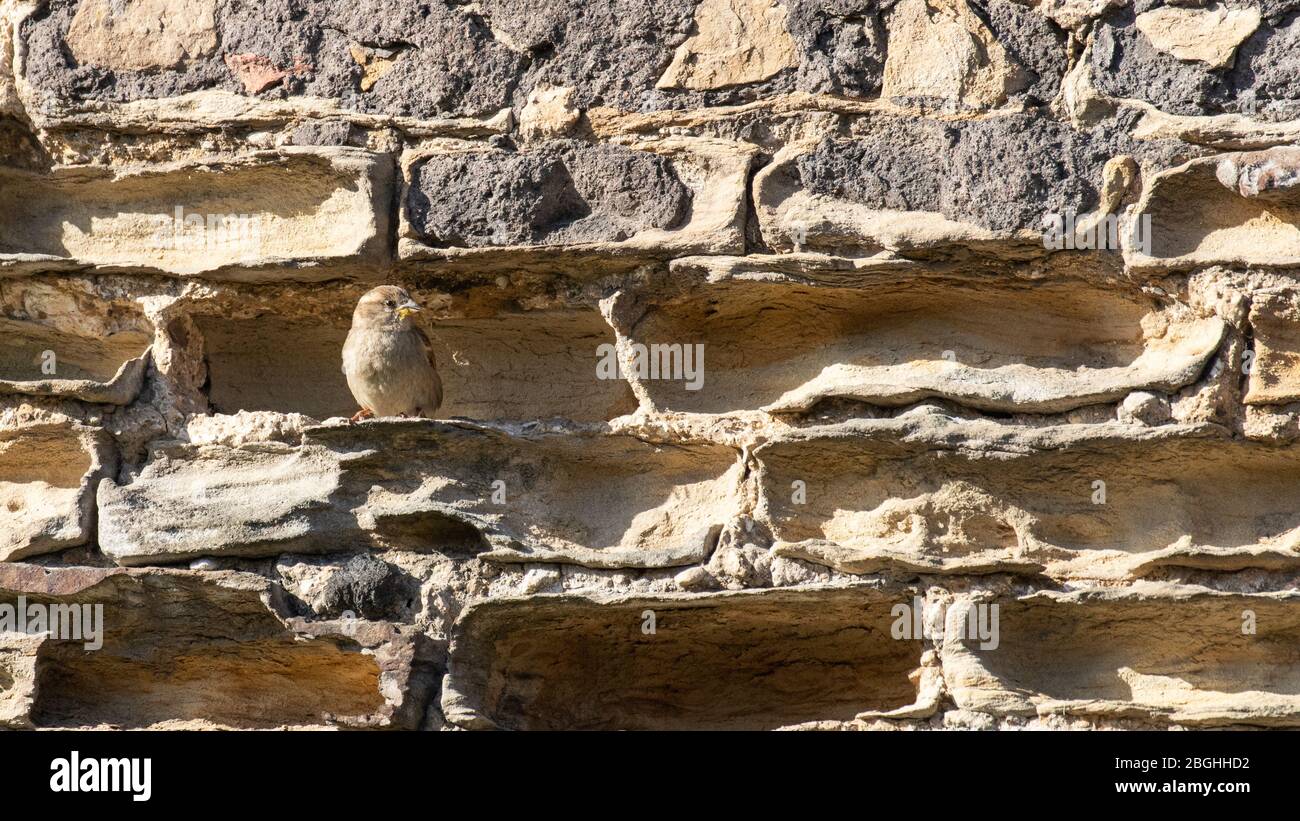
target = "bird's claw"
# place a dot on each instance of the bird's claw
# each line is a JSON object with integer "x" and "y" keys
{"x": 364, "y": 413}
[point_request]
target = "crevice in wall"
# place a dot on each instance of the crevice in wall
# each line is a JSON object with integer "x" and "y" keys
{"x": 717, "y": 661}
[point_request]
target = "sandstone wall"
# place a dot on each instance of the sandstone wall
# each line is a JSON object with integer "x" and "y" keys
{"x": 909, "y": 403}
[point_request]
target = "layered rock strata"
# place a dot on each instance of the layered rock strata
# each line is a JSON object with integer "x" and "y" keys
{"x": 888, "y": 364}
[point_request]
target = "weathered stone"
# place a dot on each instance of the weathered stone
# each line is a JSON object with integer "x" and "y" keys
{"x": 201, "y": 650}
{"x": 843, "y": 46}
{"x": 72, "y": 340}
{"x": 941, "y": 50}
{"x": 294, "y": 212}
{"x": 324, "y": 132}
{"x": 11, "y": 105}
{"x": 567, "y": 205}
{"x": 1210, "y": 35}
{"x": 1034, "y": 44}
{"x": 1273, "y": 175}
{"x": 1075, "y": 14}
{"x": 563, "y": 193}
{"x": 455, "y": 66}
{"x": 1274, "y": 375}
{"x": 894, "y": 342}
{"x": 192, "y": 502}
{"x": 369, "y": 589}
{"x": 532, "y": 663}
{"x": 693, "y": 579}
{"x": 109, "y": 371}
{"x": 48, "y": 476}
{"x": 510, "y": 497}
{"x": 255, "y": 71}
{"x": 142, "y": 34}
{"x": 18, "y": 676}
{"x": 846, "y": 212}
{"x": 77, "y": 337}
{"x": 281, "y": 354}
{"x": 1202, "y": 62}
{"x": 736, "y": 42}
{"x": 1204, "y": 671}
{"x": 1144, "y": 408}
{"x": 890, "y": 495}
{"x": 375, "y": 63}
{"x": 548, "y": 114}
{"x": 915, "y": 183}
{"x": 1239, "y": 209}
{"x": 476, "y": 59}
{"x": 610, "y": 51}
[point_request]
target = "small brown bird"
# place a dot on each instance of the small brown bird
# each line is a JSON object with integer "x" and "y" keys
{"x": 387, "y": 358}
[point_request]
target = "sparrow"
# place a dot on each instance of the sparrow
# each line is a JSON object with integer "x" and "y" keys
{"x": 388, "y": 360}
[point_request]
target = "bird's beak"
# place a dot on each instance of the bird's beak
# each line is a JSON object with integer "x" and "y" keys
{"x": 407, "y": 308}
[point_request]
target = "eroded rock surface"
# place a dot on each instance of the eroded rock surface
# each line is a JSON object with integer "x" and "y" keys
{"x": 895, "y": 342}
{"x": 302, "y": 208}
{"x": 549, "y": 649}
{"x": 566, "y": 193}
{"x": 48, "y": 476}
{"x": 182, "y": 649}
{"x": 913, "y": 184}
{"x": 1241, "y": 679}
{"x": 780, "y": 340}
{"x": 1222, "y": 58}
{"x": 882, "y": 495}
{"x": 467, "y": 489}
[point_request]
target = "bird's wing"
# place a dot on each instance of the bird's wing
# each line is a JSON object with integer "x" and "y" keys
{"x": 428, "y": 346}
{"x": 433, "y": 366}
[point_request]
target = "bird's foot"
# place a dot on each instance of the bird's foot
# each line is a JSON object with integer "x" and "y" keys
{"x": 364, "y": 413}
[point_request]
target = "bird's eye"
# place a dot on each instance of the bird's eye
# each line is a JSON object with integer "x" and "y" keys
{"x": 388, "y": 303}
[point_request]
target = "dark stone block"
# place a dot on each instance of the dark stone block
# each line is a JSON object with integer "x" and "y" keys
{"x": 449, "y": 61}
{"x": 370, "y": 589}
{"x": 843, "y": 45}
{"x": 326, "y": 132}
{"x": 1004, "y": 173}
{"x": 1031, "y": 40}
{"x": 566, "y": 192}
{"x": 460, "y": 60}
{"x": 1263, "y": 81}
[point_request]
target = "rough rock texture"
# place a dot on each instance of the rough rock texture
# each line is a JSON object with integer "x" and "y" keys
{"x": 736, "y": 42}
{"x": 141, "y": 35}
{"x": 550, "y": 205}
{"x": 218, "y": 649}
{"x": 563, "y": 193}
{"x": 782, "y": 342}
{"x": 768, "y": 658}
{"x": 1208, "y": 35}
{"x": 908, "y": 182}
{"x": 943, "y": 51}
{"x": 368, "y": 588}
{"x": 1219, "y": 59}
{"x": 593, "y": 498}
{"x": 1233, "y": 207}
{"x": 48, "y": 473}
{"x": 292, "y": 209}
{"x": 1031, "y": 506}
{"x": 1091, "y": 343}
{"x": 67, "y": 340}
